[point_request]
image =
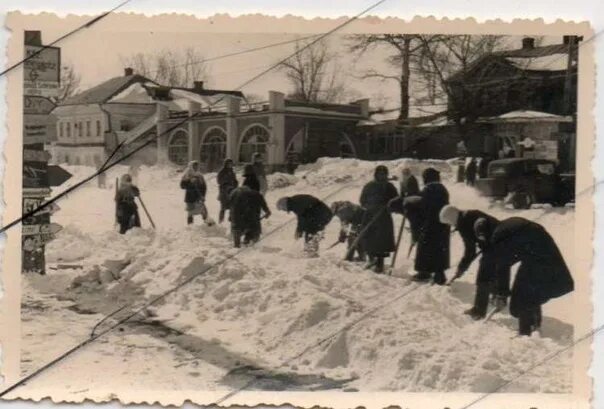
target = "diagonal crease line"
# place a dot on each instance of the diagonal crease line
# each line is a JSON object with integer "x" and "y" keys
{"x": 88, "y": 24}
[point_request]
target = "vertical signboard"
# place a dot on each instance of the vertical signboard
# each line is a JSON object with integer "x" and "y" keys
{"x": 41, "y": 76}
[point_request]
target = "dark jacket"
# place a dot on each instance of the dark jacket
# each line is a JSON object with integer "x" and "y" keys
{"x": 313, "y": 215}
{"x": 433, "y": 236}
{"x": 465, "y": 228}
{"x": 125, "y": 205}
{"x": 543, "y": 273}
{"x": 227, "y": 181}
{"x": 378, "y": 239}
{"x": 471, "y": 172}
{"x": 195, "y": 189}
{"x": 350, "y": 214}
{"x": 245, "y": 207}
{"x": 252, "y": 182}
{"x": 409, "y": 187}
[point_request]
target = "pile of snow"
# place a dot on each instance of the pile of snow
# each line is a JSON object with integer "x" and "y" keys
{"x": 280, "y": 180}
{"x": 274, "y": 306}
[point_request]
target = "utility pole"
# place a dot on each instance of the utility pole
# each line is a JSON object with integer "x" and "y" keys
{"x": 568, "y": 80}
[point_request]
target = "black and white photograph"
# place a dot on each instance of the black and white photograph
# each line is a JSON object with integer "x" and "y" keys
{"x": 297, "y": 211}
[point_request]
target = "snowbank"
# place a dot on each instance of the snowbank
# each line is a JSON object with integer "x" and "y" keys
{"x": 287, "y": 312}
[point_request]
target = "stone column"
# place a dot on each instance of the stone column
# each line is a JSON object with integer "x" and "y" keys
{"x": 232, "y": 130}
{"x": 194, "y": 108}
{"x": 162, "y": 138}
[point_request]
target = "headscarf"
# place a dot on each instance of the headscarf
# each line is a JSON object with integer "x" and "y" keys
{"x": 125, "y": 180}
{"x": 192, "y": 173}
{"x": 380, "y": 169}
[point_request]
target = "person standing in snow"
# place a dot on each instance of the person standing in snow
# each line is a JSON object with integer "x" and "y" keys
{"x": 432, "y": 236}
{"x": 126, "y": 210}
{"x": 351, "y": 222}
{"x": 542, "y": 275}
{"x": 246, "y": 205}
{"x": 378, "y": 227}
{"x": 260, "y": 171}
{"x": 463, "y": 222}
{"x": 471, "y": 172}
{"x": 483, "y": 166}
{"x": 409, "y": 185}
{"x": 195, "y": 188}
{"x": 250, "y": 179}
{"x": 227, "y": 182}
{"x": 313, "y": 215}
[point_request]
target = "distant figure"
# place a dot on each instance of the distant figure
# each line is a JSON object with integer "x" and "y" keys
{"x": 195, "y": 188}
{"x": 102, "y": 176}
{"x": 483, "y": 167}
{"x": 471, "y": 172}
{"x": 313, "y": 215}
{"x": 246, "y": 205}
{"x": 351, "y": 222}
{"x": 250, "y": 179}
{"x": 260, "y": 171}
{"x": 378, "y": 238}
{"x": 461, "y": 171}
{"x": 542, "y": 275}
{"x": 409, "y": 185}
{"x": 126, "y": 210}
{"x": 291, "y": 165}
{"x": 227, "y": 182}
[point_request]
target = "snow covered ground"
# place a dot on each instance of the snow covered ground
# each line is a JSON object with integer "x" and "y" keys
{"x": 318, "y": 323}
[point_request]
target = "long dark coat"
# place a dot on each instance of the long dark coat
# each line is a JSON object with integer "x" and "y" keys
{"x": 195, "y": 189}
{"x": 313, "y": 215}
{"x": 433, "y": 236}
{"x": 409, "y": 187}
{"x": 126, "y": 210}
{"x": 543, "y": 273}
{"x": 227, "y": 182}
{"x": 245, "y": 207}
{"x": 379, "y": 237}
{"x": 465, "y": 228}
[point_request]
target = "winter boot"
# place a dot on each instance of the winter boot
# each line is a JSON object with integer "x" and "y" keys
{"x": 189, "y": 219}
{"x": 481, "y": 302}
{"x": 421, "y": 276}
{"x": 379, "y": 265}
{"x": 439, "y": 278}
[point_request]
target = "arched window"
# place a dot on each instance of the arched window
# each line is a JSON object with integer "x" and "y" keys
{"x": 213, "y": 149}
{"x": 178, "y": 148}
{"x": 255, "y": 139}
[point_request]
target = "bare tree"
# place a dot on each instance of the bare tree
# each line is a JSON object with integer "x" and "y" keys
{"x": 444, "y": 56}
{"x": 169, "y": 67}
{"x": 70, "y": 82}
{"x": 404, "y": 49}
{"x": 313, "y": 74}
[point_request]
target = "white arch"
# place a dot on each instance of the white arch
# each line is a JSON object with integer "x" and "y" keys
{"x": 174, "y": 132}
{"x": 247, "y": 128}
{"x": 211, "y": 128}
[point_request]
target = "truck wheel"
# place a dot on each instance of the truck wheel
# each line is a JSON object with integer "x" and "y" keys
{"x": 522, "y": 200}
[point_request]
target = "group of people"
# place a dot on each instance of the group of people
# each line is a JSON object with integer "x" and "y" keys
{"x": 473, "y": 169}
{"x": 368, "y": 228}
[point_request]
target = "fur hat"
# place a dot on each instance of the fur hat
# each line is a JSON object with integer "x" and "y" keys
{"x": 449, "y": 215}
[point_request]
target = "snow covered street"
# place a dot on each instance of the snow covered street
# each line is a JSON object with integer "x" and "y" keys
{"x": 303, "y": 324}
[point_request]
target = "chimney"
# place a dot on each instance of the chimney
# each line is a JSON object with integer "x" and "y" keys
{"x": 128, "y": 71}
{"x": 198, "y": 85}
{"x": 528, "y": 43}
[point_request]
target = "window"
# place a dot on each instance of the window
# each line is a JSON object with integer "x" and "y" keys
{"x": 254, "y": 140}
{"x": 61, "y": 129}
{"x": 213, "y": 149}
{"x": 80, "y": 129}
{"x": 98, "y": 128}
{"x": 68, "y": 129}
{"x": 87, "y": 128}
{"x": 178, "y": 148}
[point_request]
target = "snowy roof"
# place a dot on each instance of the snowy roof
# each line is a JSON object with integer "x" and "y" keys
{"x": 135, "y": 93}
{"x": 526, "y": 115}
{"x": 105, "y": 90}
{"x": 553, "y": 62}
{"x": 311, "y": 110}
